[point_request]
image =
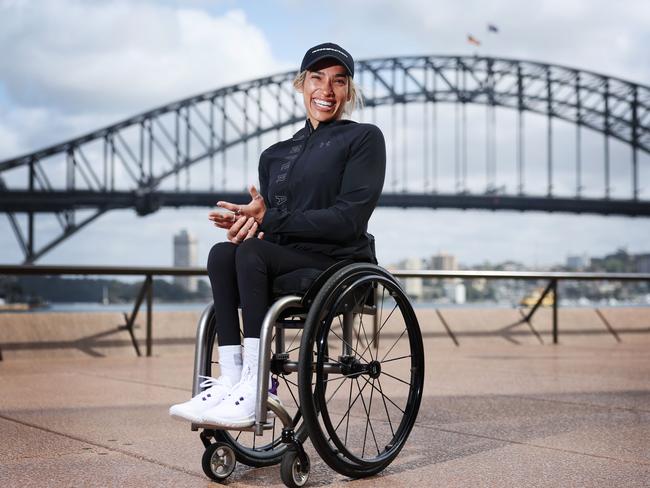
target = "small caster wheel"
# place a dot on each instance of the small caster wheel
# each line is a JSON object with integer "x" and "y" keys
{"x": 293, "y": 471}
{"x": 218, "y": 461}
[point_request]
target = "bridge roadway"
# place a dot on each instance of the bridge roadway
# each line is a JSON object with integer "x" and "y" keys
{"x": 148, "y": 202}
{"x": 493, "y": 414}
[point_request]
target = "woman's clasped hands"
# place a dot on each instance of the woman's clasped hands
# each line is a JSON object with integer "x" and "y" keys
{"x": 241, "y": 221}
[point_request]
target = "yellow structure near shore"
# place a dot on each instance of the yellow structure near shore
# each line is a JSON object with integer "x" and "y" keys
{"x": 532, "y": 299}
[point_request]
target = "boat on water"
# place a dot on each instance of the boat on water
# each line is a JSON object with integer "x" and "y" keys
{"x": 21, "y": 306}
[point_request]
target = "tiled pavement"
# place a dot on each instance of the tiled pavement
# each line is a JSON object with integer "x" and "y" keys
{"x": 492, "y": 415}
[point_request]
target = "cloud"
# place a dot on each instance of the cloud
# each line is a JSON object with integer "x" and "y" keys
{"x": 603, "y": 36}
{"x": 77, "y": 56}
{"x": 81, "y": 65}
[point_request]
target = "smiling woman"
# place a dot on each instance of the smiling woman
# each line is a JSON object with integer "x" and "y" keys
{"x": 317, "y": 193}
{"x": 352, "y": 99}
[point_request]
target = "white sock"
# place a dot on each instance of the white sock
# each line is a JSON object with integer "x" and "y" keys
{"x": 252, "y": 357}
{"x": 230, "y": 362}
{"x": 251, "y": 354}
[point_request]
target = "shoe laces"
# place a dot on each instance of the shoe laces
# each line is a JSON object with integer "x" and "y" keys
{"x": 209, "y": 382}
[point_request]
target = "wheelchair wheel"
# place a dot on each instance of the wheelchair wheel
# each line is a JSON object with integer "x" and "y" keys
{"x": 360, "y": 391}
{"x": 268, "y": 449}
{"x": 294, "y": 472}
{"x": 218, "y": 461}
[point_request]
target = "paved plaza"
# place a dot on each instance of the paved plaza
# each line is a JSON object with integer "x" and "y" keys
{"x": 492, "y": 415}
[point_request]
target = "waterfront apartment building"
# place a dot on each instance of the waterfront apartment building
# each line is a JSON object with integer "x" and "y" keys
{"x": 444, "y": 261}
{"x": 185, "y": 254}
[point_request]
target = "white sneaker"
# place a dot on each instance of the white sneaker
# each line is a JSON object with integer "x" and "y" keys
{"x": 238, "y": 409}
{"x": 192, "y": 410}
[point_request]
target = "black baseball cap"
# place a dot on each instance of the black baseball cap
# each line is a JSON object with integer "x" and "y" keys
{"x": 325, "y": 51}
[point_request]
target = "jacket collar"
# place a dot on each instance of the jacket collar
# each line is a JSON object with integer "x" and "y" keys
{"x": 308, "y": 129}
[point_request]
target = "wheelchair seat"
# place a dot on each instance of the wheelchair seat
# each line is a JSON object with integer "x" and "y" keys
{"x": 295, "y": 282}
{"x": 305, "y": 282}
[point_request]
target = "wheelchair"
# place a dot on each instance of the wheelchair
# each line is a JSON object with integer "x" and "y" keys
{"x": 342, "y": 349}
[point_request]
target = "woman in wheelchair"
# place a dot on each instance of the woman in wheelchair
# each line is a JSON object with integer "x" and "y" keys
{"x": 318, "y": 190}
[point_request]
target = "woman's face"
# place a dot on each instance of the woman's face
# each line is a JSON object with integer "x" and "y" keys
{"x": 325, "y": 92}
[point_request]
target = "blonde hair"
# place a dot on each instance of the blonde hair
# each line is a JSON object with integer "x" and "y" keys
{"x": 355, "y": 97}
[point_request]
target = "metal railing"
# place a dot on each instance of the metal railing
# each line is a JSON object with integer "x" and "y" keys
{"x": 553, "y": 279}
{"x": 146, "y": 292}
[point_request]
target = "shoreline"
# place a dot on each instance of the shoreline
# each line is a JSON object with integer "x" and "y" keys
{"x": 92, "y": 307}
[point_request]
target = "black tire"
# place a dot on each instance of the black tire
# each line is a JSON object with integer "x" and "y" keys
{"x": 293, "y": 472}
{"x": 267, "y": 450}
{"x": 390, "y": 370}
{"x": 218, "y": 461}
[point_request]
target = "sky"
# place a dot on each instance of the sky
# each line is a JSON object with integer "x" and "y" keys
{"x": 71, "y": 66}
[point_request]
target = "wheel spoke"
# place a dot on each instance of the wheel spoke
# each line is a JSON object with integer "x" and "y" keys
{"x": 382, "y": 326}
{"x": 365, "y": 298}
{"x": 396, "y": 359}
{"x": 347, "y": 423}
{"x": 291, "y": 391}
{"x": 338, "y": 378}
{"x": 365, "y": 335}
{"x": 384, "y": 395}
{"x": 372, "y": 431}
{"x": 336, "y": 390}
{"x": 381, "y": 308}
{"x": 346, "y": 343}
{"x": 394, "y": 344}
{"x": 350, "y": 405}
{"x": 292, "y": 341}
{"x": 289, "y": 351}
{"x": 383, "y": 399}
{"x": 289, "y": 381}
{"x": 396, "y": 378}
{"x": 365, "y": 432}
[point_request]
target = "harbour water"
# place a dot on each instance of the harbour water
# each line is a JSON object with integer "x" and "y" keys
{"x": 200, "y": 306}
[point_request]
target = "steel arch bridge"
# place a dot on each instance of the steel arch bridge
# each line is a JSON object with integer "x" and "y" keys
{"x": 139, "y": 163}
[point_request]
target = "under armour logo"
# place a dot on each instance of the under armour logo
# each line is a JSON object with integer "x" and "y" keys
{"x": 280, "y": 200}
{"x": 324, "y": 144}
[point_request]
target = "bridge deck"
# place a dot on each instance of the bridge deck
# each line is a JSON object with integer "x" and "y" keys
{"x": 493, "y": 415}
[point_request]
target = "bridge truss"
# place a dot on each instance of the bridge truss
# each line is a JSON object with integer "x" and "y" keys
{"x": 200, "y": 149}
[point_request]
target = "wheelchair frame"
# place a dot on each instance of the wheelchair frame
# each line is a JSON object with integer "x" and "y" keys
{"x": 295, "y": 463}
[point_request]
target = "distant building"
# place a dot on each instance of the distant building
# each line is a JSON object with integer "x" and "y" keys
{"x": 455, "y": 291}
{"x": 185, "y": 254}
{"x": 642, "y": 263}
{"x": 413, "y": 286}
{"x": 444, "y": 261}
{"x": 578, "y": 262}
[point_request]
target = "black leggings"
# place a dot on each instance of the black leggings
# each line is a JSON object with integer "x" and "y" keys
{"x": 243, "y": 273}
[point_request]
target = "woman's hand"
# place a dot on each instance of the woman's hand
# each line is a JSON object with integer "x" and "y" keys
{"x": 222, "y": 218}
{"x": 243, "y": 228}
{"x": 255, "y": 209}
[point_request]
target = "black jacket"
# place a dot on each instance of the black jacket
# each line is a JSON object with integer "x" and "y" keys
{"x": 321, "y": 186}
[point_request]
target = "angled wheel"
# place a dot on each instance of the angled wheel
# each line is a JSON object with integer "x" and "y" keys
{"x": 218, "y": 461}
{"x": 268, "y": 449}
{"x": 293, "y": 471}
{"x": 360, "y": 387}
